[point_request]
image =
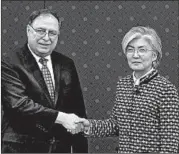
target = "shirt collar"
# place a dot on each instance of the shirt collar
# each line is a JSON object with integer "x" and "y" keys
{"x": 137, "y": 81}
{"x": 37, "y": 57}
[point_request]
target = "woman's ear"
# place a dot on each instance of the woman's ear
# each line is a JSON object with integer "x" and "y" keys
{"x": 154, "y": 56}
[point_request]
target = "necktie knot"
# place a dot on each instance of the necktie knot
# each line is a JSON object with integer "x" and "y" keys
{"x": 43, "y": 61}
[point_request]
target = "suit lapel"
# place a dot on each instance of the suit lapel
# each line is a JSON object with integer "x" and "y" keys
{"x": 31, "y": 65}
{"x": 56, "y": 63}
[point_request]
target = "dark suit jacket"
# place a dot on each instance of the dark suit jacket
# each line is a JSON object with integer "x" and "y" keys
{"x": 29, "y": 112}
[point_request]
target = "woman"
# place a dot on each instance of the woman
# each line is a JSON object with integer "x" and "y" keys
{"x": 145, "y": 115}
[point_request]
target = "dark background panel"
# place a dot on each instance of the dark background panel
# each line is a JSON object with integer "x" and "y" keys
{"x": 91, "y": 35}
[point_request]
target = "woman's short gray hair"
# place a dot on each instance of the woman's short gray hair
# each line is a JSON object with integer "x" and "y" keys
{"x": 150, "y": 35}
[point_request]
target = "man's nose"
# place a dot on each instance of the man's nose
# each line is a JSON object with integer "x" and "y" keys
{"x": 46, "y": 36}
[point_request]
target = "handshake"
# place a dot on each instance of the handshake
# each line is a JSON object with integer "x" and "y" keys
{"x": 73, "y": 123}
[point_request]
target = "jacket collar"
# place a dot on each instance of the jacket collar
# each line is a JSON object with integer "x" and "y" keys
{"x": 146, "y": 78}
{"x": 149, "y": 76}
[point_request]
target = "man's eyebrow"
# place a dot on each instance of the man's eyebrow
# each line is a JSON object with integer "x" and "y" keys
{"x": 41, "y": 28}
{"x": 44, "y": 28}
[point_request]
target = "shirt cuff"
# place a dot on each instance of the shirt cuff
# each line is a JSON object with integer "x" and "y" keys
{"x": 60, "y": 117}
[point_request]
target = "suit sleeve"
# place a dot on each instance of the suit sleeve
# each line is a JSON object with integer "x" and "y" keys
{"x": 16, "y": 101}
{"x": 169, "y": 120}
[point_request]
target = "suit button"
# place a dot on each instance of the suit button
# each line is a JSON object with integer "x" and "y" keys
{"x": 117, "y": 127}
{"x": 52, "y": 140}
{"x": 115, "y": 117}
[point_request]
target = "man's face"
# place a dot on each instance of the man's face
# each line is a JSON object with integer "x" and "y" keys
{"x": 43, "y": 35}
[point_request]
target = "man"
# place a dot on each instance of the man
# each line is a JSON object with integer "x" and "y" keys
{"x": 41, "y": 93}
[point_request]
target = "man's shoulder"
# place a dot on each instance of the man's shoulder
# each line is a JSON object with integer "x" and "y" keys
{"x": 12, "y": 55}
{"x": 61, "y": 57}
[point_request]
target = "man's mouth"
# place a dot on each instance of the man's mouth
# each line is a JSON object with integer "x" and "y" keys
{"x": 44, "y": 44}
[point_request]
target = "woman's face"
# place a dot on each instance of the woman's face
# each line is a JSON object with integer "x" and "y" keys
{"x": 140, "y": 55}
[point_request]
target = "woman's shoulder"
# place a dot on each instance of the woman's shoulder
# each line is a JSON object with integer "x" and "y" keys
{"x": 164, "y": 83}
{"x": 163, "y": 80}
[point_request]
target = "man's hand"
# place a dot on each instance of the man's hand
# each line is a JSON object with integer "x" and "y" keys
{"x": 86, "y": 124}
{"x": 69, "y": 121}
{"x": 83, "y": 125}
{"x": 79, "y": 128}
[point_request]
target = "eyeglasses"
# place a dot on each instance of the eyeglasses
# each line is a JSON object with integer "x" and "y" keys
{"x": 140, "y": 51}
{"x": 42, "y": 32}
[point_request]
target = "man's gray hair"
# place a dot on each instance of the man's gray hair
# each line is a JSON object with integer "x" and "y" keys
{"x": 37, "y": 13}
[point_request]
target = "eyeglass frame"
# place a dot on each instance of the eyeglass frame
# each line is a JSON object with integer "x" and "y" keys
{"x": 138, "y": 50}
{"x": 45, "y": 32}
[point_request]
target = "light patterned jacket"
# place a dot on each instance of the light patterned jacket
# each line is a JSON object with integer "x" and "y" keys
{"x": 145, "y": 117}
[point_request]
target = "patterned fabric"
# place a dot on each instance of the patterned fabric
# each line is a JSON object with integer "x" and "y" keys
{"x": 47, "y": 77}
{"x": 145, "y": 117}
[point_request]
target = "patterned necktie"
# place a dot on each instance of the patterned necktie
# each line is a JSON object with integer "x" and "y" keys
{"x": 47, "y": 77}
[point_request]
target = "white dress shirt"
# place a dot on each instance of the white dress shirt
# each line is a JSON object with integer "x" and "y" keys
{"x": 49, "y": 64}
